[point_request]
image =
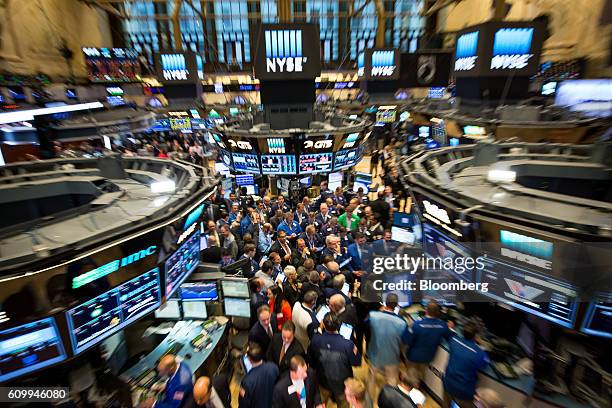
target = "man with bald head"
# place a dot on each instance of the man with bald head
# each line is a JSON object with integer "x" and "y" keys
{"x": 345, "y": 313}
{"x": 205, "y": 395}
{"x": 178, "y": 387}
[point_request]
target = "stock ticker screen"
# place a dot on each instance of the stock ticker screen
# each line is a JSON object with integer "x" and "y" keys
{"x": 93, "y": 321}
{"x": 316, "y": 163}
{"x": 29, "y": 347}
{"x": 346, "y": 158}
{"x": 278, "y": 164}
{"x": 181, "y": 263}
{"x": 247, "y": 163}
{"x": 598, "y": 318}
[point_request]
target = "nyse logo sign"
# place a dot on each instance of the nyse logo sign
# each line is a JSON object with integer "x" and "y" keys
{"x": 284, "y": 51}
{"x": 174, "y": 67}
{"x": 511, "y": 48}
{"x": 383, "y": 63}
{"x": 320, "y": 144}
{"x": 467, "y": 45}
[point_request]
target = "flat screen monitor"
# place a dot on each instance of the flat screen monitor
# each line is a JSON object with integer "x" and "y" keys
{"x": 306, "y": 181}
{"x": 235, "y": 288}
{"x": 424, "y": 132}
{"x": 598, "y": 318}
{"x": 278, "y": 164}
{"x": 248, "y": 163}
{"x": 402, "y": 219}
{"x": 362, "y": 180}
{"x": 323, "y": 310}
{"x": 222, "y": 169}
{"x": 226, "y": 183}
{"x": 346, "y": 331}
{"x": 237, "y": 307}
{"x": 252, "y": 190}
{"x": 93, "y": 321}
{"x": 316, "y": 163}
{"x": 29, "y": 347}
{"x": 244, "y": 179}
{"x": 182, "y": 263}
{"x": 345, "y": 159}
{"x": 592, "y": 97}
{"x": 169, "y": 311}
{"x": 548, "y": 88}
{"x": 402, "y": 235}
{"x": 194, "y": 310}
{"x": 200, "y": 291}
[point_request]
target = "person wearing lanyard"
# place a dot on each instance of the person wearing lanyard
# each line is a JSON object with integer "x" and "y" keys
{"x": 178, "y": 388}
{"x": 312, "y": 239}
{"x": 324, "y": 216}
{"x": 299, "y": 389}
{"x": 290, "y": 226}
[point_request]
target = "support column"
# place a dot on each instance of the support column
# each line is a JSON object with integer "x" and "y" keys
{"x": 176, "y": 25}
{"x": 380, "y": 29}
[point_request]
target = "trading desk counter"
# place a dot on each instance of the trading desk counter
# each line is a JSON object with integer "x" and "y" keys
{"x": 199, "y": 344}
{"x": 515, "y": 392}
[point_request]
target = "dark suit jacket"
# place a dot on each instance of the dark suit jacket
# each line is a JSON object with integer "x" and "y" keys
{"x": 258, "y": 334}
{"x": 276, "y": 247}
{"x": 274, "y": 351}
{"x": 282, "y": 399}
{"x": 211, "y": 255}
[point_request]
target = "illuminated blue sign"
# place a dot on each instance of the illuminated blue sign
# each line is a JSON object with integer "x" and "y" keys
{"x": 174, "y": 67}
{"x": 511, "y": 48}
{"x": 467, "y": 45}
{"x": 284, "y": 51}
{"x": 111, "y": 267}
{"x": 193, "y": 217}
{"x": 383, "y": 63}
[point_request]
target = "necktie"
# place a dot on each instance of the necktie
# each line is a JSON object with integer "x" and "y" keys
{"x": 269, "y": 330}
{"x": 282, "y": 353}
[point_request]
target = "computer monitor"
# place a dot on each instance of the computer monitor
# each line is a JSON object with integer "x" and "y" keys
{"x": 169, "y": 311}
{"x": 306, "y": 181}
{"x": 237, "y": 307}
{"x": 200, "y": 291}
{"x": 402, "y": 219}
{"x": 29, "y": 347}
{"x": 244, "y": 179}
{"x": 252, "y": 190}
{"x": 237, "y": 287}
{"x": 346, "y": 331}
{"x": 323, "y": 310}
{"x": 182, "y": 263}
{"x": 194, "y": 310}
{"x": 240, "y": 266}
{"x": 402, "y": 235}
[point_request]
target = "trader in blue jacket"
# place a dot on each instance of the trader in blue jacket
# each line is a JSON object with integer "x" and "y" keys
{"x": 425, "y": 337}
{"x": 179, "y": 386}
{"x": 290, "y": 226}
{"x": 465, "y": 359}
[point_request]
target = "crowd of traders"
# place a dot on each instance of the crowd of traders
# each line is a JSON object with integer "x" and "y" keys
{"x": 301, "y": 255}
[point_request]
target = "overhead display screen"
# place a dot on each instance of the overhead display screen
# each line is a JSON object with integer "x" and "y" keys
{"x": 598, "y": 318}
{"x": 316, "y": 163}
{"x": 287, "y": 51}
{"x": 247, "y": 163}
{"x": 346, "y": 158}
{"x": 199, "y": 291}
{"x": 244, "y": 180}
{"x": 181, "y": 263}
{"x": 93, "y": 321}
{"x": 499, "y": 49}
{"x": 278, "y": 164}
{"x": 176, "y": 67}
{"x": 235, "y": 288}
{"x": 440, "y": 246}
{"x": 425, "y": 69}
{"x": 533, "y": 292}
{"x": 112, "y": 64}
{"x": 29, "y": 347}
{"x": 226, "y": 159}
{"x": 381, "y": 64}
{"x": 237, "y": 307}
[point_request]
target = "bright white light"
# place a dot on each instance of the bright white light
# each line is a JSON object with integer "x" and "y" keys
{"x": 159, "y": 201}
{"x": 25, "y": 115}
{"x": 166, "y": 186}
{"x": 501, "y": 176}
{"x": 436, "y": 120}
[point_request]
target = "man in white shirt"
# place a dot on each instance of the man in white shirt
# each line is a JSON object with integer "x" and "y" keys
{"x": 304, "y": 318}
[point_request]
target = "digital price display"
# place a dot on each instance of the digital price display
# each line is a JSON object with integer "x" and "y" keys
{"x": 316, "y": 163}
{"x": 278, "y": 164}
{"x": 29, "y": 347}
{"x": 199, "y": 291}
{"x": 598, "y": 318}
{"x": 181, "y": 263}
{"x": 244, "y": 180}
{"x": 533, "y": 292}
{"x": 180, "y": 123}
{"x": 346, "y": 158}
{"x": 93, "y": 321}
{"x": 247, "y": 163}
{"x": 112, "y": 64}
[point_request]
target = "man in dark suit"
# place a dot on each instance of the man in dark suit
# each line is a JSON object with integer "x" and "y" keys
{"x": 210, "y": 394}
{"x": 284, "y": 249}
{"x": 253, "y": 266}
{"x": 385, "y": 246}
{"x": 298, "y": 389}
{"x": 263, "y": 331}
{"x": 284, "y": 346}
{"x": 212, "y": 254}
{"x": 381, "y": 209}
